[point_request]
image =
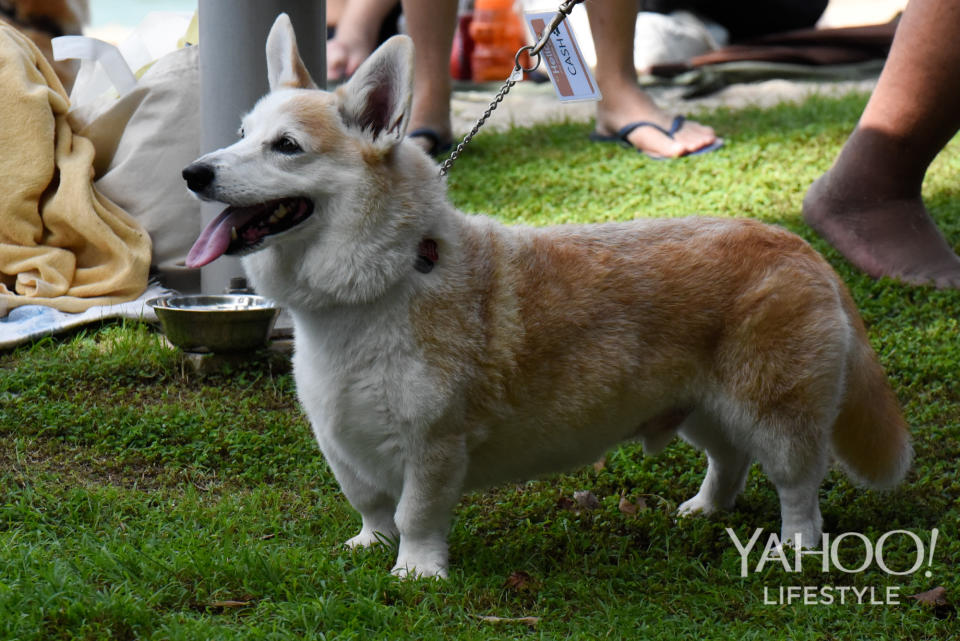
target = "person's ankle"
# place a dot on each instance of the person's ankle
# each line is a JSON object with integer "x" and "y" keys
{"x": 874, "y": 165}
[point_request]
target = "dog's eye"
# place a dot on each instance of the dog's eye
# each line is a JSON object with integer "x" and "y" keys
{"x": 286, "y": 145}
{"x": 241, "y": 133}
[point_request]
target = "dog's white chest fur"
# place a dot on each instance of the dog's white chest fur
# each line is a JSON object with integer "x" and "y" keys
{"x": 359, "y": 383}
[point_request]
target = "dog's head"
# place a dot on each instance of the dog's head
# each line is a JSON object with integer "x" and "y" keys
{"x": 301, "y": 150}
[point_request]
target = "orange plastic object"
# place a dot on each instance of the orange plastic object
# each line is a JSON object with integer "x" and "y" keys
{"x": 497, "y": 31}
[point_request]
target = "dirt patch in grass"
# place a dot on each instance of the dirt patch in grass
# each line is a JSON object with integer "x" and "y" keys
{"x": 39, "y": 458}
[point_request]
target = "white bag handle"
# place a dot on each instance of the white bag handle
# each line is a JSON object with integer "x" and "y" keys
{"x": 90, "y": 51}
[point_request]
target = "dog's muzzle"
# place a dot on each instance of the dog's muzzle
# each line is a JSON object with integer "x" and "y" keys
{"x": 239, "y": 230}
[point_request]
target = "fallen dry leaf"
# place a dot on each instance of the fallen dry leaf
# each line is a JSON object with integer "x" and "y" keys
{"x": 586, "y": 499}
{"x": 519, "y": 581}
{"x": 935, "y": 597}
{"x": 632, "y": 507}
{"x": 600, "y": 465}
{"x": 230, "y": 604}
{"x": 531, "y": 621}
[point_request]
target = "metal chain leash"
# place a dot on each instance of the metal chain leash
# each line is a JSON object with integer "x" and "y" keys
{"x": 515, "y": 76}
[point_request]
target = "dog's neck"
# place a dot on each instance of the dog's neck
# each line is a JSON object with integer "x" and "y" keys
{"x": 364, "y": 242}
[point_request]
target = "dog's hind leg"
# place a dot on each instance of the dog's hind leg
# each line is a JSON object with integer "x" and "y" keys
{"x": 727, "y": 465}
{"x": 798, "y": 483}
{"x": 792, "y": 444}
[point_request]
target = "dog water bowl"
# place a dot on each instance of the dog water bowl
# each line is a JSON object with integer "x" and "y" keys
{"x": 227, "y": 323}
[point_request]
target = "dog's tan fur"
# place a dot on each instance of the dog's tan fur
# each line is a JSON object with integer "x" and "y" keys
{"x": 526, "y": 351}
{"x": 564, "y": 326}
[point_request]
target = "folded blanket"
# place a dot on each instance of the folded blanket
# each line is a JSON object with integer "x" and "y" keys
{"x": 30, "y": 322}
{"x": 62, "y": 243}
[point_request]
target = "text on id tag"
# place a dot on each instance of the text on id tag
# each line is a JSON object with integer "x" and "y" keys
{"x": 572, "y": 79}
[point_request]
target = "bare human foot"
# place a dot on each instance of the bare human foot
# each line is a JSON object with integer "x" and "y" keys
{"x": 868, "y": 205}
{"x": 630, "y": 104}
{"x": 892, "y": 237}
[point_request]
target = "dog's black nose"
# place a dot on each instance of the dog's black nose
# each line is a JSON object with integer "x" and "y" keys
{"x": 198, "y": 176}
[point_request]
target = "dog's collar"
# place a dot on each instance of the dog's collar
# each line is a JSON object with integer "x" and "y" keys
{"x": 37, "y": 23}
{"x": 427, "y": 256}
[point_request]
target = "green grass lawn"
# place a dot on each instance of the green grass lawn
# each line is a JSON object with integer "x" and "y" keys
{"x": 139, "y": 500}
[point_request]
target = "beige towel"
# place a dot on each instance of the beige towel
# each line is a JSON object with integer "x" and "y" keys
{"x": 61, "y": 243}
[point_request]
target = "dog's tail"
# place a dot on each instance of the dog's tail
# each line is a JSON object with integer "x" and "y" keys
{"x": 870, "y": 436}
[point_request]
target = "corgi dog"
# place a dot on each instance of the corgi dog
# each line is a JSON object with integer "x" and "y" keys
{"x": 437, "y": 352}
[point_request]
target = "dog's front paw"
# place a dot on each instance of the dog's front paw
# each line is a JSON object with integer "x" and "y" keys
{"x": 410, "y": 570}
{"x": 368, "y": 538}
{"x": 424, "y": 557}
{"x": 696, "y": 505}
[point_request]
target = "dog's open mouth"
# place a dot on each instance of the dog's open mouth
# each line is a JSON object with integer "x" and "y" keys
{"x": 240, "y": 229}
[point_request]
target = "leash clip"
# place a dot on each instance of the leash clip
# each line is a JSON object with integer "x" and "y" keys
{"x": 562, "y": 12}
{"x": 517, "y": 75}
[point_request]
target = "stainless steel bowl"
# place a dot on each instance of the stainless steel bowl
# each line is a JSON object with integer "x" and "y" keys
{"x": 228, "y": 323}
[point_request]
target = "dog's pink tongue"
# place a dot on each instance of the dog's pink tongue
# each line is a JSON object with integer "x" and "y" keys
{"x": 213, "y": 241}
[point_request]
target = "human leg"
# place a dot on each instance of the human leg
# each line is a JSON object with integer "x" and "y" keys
{"x": 868, "y": 204}
{"x": 431, "y": 24}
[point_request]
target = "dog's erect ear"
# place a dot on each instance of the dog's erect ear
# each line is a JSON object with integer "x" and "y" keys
{"x": 285, "y": 69}
{"x": 377, "y": 98}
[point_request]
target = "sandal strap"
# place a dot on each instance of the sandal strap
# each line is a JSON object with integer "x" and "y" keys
{"x": 675, "y": 126}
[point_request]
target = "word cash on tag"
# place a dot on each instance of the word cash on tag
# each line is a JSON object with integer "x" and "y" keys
{"x": 571, "y": 76}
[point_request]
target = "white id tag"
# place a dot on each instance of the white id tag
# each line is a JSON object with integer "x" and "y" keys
{"x": 571, "y": 76}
